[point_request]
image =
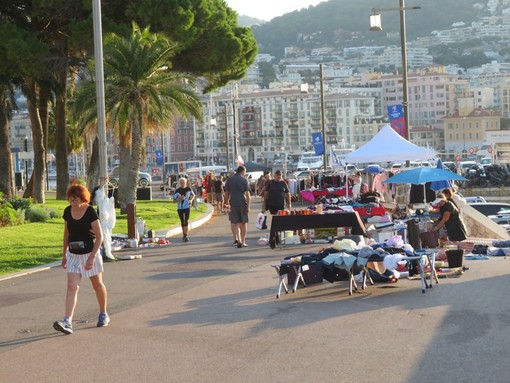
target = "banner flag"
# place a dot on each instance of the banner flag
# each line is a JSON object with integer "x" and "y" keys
{"x": 334, "y": 161}
{"x": 318, "y": 144}
{"x": 397, "y": 120}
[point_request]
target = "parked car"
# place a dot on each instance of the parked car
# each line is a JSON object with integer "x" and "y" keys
{"x": 144, "y": 179}
{"x": 466, "y": 166}
{"x": 474, "y": 199}
{"x": 502, "y": 218}
{"x": 490, "y": 208}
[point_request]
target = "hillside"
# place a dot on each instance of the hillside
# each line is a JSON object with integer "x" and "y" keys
{"x": 345, "y": 23}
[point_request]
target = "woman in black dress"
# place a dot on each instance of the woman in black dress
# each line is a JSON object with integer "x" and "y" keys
{"x": 450, "y": 219}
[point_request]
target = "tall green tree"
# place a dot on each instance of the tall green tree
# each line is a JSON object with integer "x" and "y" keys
{"x": 141, "y": 92}
{"x": 23, "y": 65}
{"x": 210, "y": 44}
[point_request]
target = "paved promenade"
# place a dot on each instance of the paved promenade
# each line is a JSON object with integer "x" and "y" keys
{"x": 205, "y": 311}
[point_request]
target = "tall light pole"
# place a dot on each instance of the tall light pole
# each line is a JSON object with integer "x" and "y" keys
{"x": 375, "y": 25}
{"x": 101, "y": 127}
{"x": 234, "y": 118}
{"x": 323, "y": 118}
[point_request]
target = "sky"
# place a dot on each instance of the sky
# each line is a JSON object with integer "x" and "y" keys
{"x": 268, "y": 9}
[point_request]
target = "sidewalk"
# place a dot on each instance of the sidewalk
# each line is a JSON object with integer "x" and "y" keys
{"x": 205, "y": 311}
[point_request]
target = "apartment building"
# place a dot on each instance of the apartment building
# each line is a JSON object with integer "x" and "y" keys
{"x": 428, "y": 137}
{"x": 431, "y": 96}
{"x": 465, "y": 132}
{"x": 267, "y": 122}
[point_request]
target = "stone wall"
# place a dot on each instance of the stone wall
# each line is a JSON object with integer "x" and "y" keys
{"x": 502, "y": 193}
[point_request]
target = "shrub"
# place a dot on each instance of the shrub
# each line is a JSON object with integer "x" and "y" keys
{"x": 54, "y": 214}
{"x": 8, "y": 215}
{"x": 37, "y": 214}
{"x": 19, "y": 203}
{"x": 20, "y": 216}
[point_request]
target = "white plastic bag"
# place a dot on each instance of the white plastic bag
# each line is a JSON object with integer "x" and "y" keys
{"x": 260, "y": 222}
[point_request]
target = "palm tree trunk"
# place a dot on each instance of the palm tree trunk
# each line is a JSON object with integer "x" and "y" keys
{"x": 35, "y": 188}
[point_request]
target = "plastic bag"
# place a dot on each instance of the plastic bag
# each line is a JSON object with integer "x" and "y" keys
{"x": 260, "y": 222}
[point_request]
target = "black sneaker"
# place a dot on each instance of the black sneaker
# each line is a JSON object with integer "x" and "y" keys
{"x": 185, "y": 239}
{"x": 236, "y": 242}
{"x": 63, "y": 326}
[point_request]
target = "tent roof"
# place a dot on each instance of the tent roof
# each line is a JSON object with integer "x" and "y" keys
{"x": 255, "y": 167}
{"x": 388, "y": 146}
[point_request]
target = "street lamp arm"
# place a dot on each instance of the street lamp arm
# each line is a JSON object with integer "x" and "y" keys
{"x": 379, "y": 10}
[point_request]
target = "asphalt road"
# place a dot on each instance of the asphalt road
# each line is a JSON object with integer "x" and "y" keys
{"x": 205, "y": 311}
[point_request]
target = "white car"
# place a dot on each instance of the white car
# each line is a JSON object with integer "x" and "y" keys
{"x": 144, "y": 179}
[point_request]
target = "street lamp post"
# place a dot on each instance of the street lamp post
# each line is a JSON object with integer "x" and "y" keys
{"x": 375, "y": 25}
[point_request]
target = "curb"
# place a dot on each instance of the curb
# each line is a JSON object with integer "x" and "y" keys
{"x": 172, "y": 232}
{"x": 30, "y": 271}
{"x": 162, "y": 233}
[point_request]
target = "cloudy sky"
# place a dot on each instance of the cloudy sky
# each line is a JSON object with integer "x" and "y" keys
{"x": 267, "y": 9}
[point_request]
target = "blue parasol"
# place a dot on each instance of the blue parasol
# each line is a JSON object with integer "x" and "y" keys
{"x": 420, "y": 176}
{"x": 373, "y": 169}
{"x": 440, "y": 185}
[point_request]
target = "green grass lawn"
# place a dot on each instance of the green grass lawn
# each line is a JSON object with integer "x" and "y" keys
{"x": 35, "y": 244}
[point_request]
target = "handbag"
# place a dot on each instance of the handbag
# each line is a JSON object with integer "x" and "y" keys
{"x": 429, "y": 239}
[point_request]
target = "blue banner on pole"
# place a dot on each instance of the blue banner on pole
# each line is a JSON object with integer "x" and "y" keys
{"x": 318, "y": 143}
{"x": 159, "y": 157}
{"x": 397, "y": 120}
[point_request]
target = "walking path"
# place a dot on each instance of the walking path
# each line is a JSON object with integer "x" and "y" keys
{"x": 205, "y": 311}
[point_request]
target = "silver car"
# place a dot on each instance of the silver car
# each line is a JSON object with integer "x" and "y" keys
{"x": 144, "y": 179}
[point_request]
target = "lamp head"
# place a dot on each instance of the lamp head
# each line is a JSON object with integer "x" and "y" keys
{"x": 375, "y": 22}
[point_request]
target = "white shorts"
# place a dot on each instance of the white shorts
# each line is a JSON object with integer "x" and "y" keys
{"x": 76, "y": 264}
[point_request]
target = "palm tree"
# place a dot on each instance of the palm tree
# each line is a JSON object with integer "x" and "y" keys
{"x": 141, "y": 93}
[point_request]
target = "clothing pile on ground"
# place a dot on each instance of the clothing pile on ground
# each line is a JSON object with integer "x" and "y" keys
{"x": 345, "y": 257}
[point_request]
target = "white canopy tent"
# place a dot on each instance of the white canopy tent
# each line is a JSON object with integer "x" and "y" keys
{"x": 388, "y": 146}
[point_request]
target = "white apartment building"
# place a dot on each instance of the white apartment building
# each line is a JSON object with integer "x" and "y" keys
{"x": 267, "y": 122}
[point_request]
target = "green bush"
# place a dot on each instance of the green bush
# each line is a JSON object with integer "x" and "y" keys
{"x": 8, "y": 216}
{"x": 54, "y": 214}
{"x": 20, "y": 216}
{"x": 37, "y": 214}
{"x": 19, "y": 203}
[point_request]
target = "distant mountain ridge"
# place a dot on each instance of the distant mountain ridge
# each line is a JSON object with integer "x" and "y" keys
{"x": 345, "y": 23}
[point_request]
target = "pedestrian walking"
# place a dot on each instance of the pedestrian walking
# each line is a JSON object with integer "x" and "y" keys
{"x": 237, "y": 195}
{"x": 82, "y": 239}
{"x": 261, "y": 183}
{"x": 219, "y": 191}
{"x": 184, "y": 197}
{"x": 276, "y": 194}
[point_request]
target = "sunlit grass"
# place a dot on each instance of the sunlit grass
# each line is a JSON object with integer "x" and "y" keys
{"x": 34, "y": 244}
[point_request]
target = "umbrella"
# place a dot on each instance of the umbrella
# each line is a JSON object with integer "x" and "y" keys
{"x": 420, "y": 176}
{"x": 373, "y": 169}
{"x": 440, "y": 185}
